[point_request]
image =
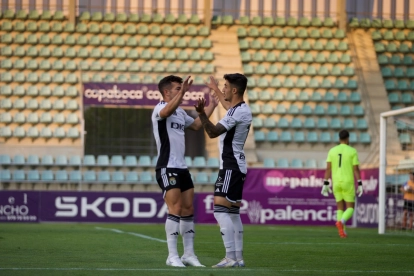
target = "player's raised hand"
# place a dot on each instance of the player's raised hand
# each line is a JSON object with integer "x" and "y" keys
{"x": 212, "y": 83}
{"x": 186, "y": 84}
{"x": 199, "y": 106}
{"x": 214, "y": 99}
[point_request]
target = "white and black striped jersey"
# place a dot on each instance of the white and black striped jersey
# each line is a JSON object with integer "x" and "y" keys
{"x": 237, "y": 122}
{"x": 169, "y": 136}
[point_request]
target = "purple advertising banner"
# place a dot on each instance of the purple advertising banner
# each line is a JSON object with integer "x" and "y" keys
{"x": 286, "y": 196}
{"x": 135, "y": 94}
{"x": 19, "y": 206}
{"x": 271, "y": 196}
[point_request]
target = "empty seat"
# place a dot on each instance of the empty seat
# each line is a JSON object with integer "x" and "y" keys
{"x": 213, "y": 162}
{"x": 144, "y": 161}
{"x": 89, "y": 176}
{"x": 102, "y": 160}
{"x": 145, "y": 177}
{"x": 117, "y": 161}
{"x": 199, "y": 161}
{"x": 282, "y": 163}
{"x": 89, "y": 160}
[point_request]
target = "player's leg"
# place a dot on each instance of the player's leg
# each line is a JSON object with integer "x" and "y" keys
{"x": 172, "y": 197}
{"x": 349, "y": 199}
{"x": 410, "y": 215}
{"x": 221, "y": 212}
{"x": 187, "y": 228}
{"x": 235, "y": 216}
{"x": 340, "y": 206}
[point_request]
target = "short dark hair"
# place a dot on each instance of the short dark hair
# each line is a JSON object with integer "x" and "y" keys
{"x": 237, "y": 80}
{"x": 343, "y": 134}
{"x": 167, "y": 81}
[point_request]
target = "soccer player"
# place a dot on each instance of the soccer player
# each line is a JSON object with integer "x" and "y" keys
{"x": 342, "y": 164}
{"x": 233, "y": 130}
{"x": 173, "y": 177}
{"x": 408, "y": 190}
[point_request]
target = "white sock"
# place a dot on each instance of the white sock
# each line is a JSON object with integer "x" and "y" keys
{"x": 172, "y": 226}
{"x": 226, "y": 229}
{"x": 238, "y": 231}
{"x": 188, "y": 233}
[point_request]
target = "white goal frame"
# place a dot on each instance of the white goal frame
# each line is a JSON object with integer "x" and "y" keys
{"x": 383, "y": 163}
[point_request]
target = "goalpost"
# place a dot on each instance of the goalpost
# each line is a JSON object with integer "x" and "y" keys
{"x": 405, "y": 124}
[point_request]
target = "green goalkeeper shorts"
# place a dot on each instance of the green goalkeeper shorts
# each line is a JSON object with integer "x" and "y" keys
{"x": 344, "y": 191}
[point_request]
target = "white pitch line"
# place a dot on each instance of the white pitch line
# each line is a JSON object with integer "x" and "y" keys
{"x": 131, "y": 233}
{"x": 238, "y": 270}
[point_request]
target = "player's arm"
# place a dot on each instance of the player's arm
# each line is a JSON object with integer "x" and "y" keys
{"x": 196, "y": 125}
{"x": 212, "y": 130}
{"x": 328, "y": 170}
{"x": 172, "y": 105}
{"x": 212, "y": 84}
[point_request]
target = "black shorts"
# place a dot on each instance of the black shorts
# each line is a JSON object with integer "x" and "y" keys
{"x": 169, "y": 178}
{"x": 409, "y": 205}
{"x": 229, "y": 184}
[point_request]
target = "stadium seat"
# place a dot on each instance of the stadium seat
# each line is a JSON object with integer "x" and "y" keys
{"x": 19, "y": 175}
{"x": 270, "y": 123}
{"x": 296, "y": 164}
{"x": 89, "y": 176}
{"x": 282, "y": 163}
{"x": 325, "y": 137}
{"x": 312, "y": 137}
{"x": 296, "y": 123}
{"x": 269, "y": 163}
{"x": 285, "y": 136}
{"x": 299, "y": 137}
{"x": 32, "y": 160}
{"x": 259, "y": 136}
{"x": 145, "y": 177}
{"x": 335, "y": 123}
{"x": 311, "y": 164}
{"x": 272, "y": 136}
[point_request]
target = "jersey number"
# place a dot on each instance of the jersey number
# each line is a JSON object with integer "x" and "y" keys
{"x": 340, "y": 159}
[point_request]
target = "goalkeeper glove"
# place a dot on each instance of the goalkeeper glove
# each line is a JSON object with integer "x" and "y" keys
{"x": 360, "y": 190}
{"x": 325, "y": 188}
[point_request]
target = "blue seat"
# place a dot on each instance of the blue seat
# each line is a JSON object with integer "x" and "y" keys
{"x": 144, "y": 161}
{"x": 5, "y": 160}
{"x": 33, "y": 175}
{"x": 299, "y": 137}
{"x": 118, "y": 177}
{"x": 117, "y": 161}
{"x": 296, "y": 163}
{"x": 312, "y": 137}
{"x": 213, "y": 162}
{"x": 89, "y": 160}
{"x": 5, "y": 175}
{"x": 61, "y": 175}
{"x": 202, "y": 178}
{"x": 47, "y": 175}
{"x": 145, "y": 177}
{"x": 18, "y": 175}
{"x": 103, "y": 160}
{"x": 75, "y": 176}
{"x": 283, "y": 123}
{"x": 75, "y": 160}
{"x": 285, "y": 136}
{"x": 269, "y": 163}
{"x": 89, "y": 176}
{"x": 259, "y": 136}
{"x": 188, "y": 161}
{"x": 199, "y": 161}
{"x": 325, "y": 137}
{"x": 283, "y": 163}
{"x": 311, "y": 164}
{"x": 132, "y": 176}
{"x": 33, "y": 160}
{"x": 131, "y": 161}
{"x": 47, "y": 160}
{"x": 104, "y": 176}
{"x": 272, "y": 136}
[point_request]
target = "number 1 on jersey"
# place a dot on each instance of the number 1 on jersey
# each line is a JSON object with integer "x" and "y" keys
{"x": 340, "y": 159}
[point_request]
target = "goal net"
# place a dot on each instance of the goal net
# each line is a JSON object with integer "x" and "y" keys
{"x": 396, "y": 165}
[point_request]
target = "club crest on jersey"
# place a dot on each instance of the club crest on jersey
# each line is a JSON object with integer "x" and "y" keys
{"x": 172, "y": 180}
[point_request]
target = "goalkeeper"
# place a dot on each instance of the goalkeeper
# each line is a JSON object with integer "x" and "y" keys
{"x": 342, "y": 167}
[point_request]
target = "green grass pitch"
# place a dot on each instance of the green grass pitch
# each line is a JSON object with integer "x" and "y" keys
{"x": 128, "y": 249}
